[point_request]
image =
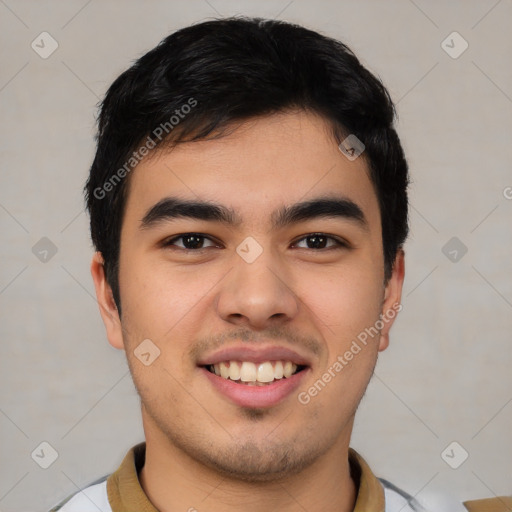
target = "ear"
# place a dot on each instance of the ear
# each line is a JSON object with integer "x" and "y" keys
{"x": 392, "y": 296}
{"x": 106, "y": 302}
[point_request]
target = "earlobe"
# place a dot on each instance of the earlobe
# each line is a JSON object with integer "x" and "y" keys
{"x": 108, "y": 308}
{"x": 383, "y": 342}
{"x": 392, "y": 297}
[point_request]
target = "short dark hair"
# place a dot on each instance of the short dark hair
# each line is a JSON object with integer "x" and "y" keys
{"x": 199, "y": 80}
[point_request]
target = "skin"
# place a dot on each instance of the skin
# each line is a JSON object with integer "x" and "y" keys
{"x": 202, "y": 450}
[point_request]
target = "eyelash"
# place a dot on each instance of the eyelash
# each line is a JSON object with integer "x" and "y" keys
{"x": 339, "y": 243}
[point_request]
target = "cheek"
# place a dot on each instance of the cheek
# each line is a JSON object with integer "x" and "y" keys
{"x": 345, "y": 303}
{"x": 158, "y": 297}
{"x": 167, "y": 306}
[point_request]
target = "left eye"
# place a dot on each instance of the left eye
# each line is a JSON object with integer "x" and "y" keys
{"x": 319, "y": 241}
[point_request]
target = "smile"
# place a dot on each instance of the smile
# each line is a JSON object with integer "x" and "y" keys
{"x": 254, "y": 374}
{"x": 259, "y": 375}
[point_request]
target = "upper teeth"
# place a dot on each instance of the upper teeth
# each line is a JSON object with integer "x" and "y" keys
{"x": 250, "y": 372}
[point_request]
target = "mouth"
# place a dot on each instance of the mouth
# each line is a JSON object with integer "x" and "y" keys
{"x": 257, "y": 376}
{"x": 249, "y": 373}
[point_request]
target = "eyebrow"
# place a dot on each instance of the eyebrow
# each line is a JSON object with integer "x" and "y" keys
{"x": 171, "y": 208}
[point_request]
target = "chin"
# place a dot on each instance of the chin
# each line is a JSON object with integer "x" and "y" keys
{"x": 256, "y": 461}
{"x": 251, "y": 463}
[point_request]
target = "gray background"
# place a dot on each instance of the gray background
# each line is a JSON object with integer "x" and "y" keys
{"x": 447, "y": 374}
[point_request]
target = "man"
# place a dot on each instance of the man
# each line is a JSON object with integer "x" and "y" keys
{"x": 248, "y": 205}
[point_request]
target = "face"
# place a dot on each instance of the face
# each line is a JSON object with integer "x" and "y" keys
{"x": 252, "y": 308}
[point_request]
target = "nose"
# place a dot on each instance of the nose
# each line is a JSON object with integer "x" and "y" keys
{"x": 258, "y": 295}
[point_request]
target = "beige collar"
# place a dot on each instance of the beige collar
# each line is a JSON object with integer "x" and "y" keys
{"x": 125, "y": 493}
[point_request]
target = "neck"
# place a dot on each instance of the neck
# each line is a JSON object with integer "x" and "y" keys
{"x": 174, "y": 481}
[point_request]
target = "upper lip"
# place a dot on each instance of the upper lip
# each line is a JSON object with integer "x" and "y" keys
{"x": 256, "y": 355}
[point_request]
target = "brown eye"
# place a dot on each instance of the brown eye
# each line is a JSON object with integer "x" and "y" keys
{"x": 189, "y": 241}
{"x": 320, "y": 241}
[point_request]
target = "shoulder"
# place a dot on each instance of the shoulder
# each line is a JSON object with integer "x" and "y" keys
{"x": 94, "y": 495}
{"x": 399, "y": 500}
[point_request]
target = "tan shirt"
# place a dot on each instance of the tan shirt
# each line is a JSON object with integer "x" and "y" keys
{"x": 121, "y": 492}
{"x": 125, "y": 493}
{"x": 498, "y": 504}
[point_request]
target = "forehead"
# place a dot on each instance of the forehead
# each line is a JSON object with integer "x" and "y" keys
{"x": 255, "y": 168}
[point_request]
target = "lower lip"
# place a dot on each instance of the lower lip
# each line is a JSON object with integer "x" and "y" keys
{"x": 256, "y": 396}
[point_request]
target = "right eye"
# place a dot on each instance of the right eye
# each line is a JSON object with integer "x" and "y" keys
{"x": 190, "y": 242}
